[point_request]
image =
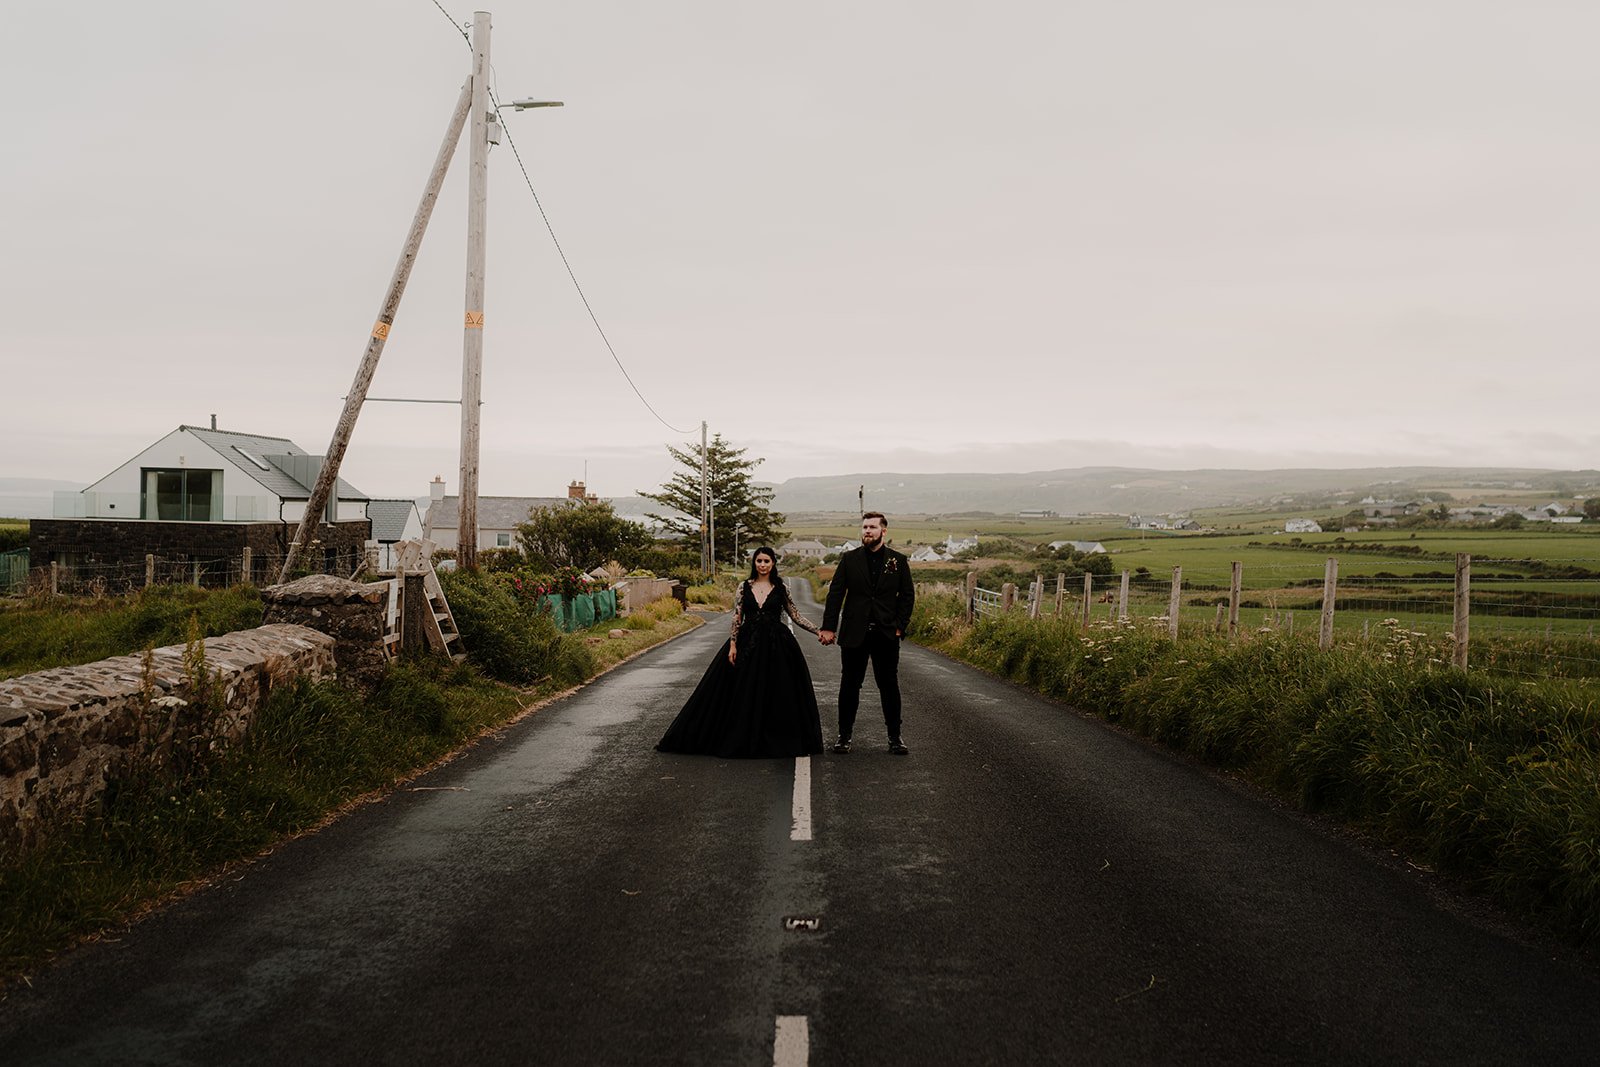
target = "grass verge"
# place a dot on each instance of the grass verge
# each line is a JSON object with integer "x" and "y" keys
{"x": 1493, "y": 779}
{"x": 64, "y": 632}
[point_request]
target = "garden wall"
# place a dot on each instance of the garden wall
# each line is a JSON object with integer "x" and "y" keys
{"x": 66, "y": 732}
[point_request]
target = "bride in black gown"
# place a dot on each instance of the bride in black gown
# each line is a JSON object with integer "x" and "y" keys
{"x": 755, "y": 700}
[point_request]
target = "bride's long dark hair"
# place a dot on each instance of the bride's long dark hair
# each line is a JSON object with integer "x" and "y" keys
{"x": 773, "y": 573}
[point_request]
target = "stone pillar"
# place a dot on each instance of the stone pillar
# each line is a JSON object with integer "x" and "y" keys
{"x": 352, "y": 613}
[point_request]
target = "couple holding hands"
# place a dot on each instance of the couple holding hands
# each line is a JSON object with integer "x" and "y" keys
{"x": 755, "y": 700}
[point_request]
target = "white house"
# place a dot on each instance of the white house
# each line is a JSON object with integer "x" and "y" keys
{"x": 392, "y": 521}
{"x": 1087, "y": 548}
{"x": 803, "y": 550}
{"x": 928, "y": 554}
{"x": 1302, "y": 526}
{"x": 194, "y": 474}
{"x": 498, "y": 517}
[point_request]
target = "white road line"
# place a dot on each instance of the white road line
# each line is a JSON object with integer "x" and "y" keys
{"x": 791, "y": 1043}
{"x": 801, "y": 831}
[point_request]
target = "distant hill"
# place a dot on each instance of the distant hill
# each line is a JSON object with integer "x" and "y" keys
{"x": 1125, "y": 490}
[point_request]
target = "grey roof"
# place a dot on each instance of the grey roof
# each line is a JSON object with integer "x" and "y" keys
{"x": 290, "y": 472}
{"x": 494, "y": 512}
{"x": 389, "y": 518}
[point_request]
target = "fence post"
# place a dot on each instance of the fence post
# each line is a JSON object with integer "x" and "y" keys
{"x": 1061, "y": 594}
{"x": 1330, "y": 590}
{"x": 245, "y": 575}
{"x": 972, "y": 592}
{"x": 1037, "y": 590}
{"x": 1463, "y": 606}
{"x": 1088, "y": 597}
{"x": 1174, "y": 602}
{"x": 1008, "y": 596}
{"x": 149, "y": 569}
{"x": 1122, "y": 598}
{"x": 55, "y": 578}
{"x": 1233, "y": 599}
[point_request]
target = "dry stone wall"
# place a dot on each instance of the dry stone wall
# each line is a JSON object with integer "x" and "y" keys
{"x": 352, "y": 613}
{"x": 65, "y": 732}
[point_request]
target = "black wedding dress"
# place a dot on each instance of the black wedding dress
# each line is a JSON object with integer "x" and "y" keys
{"x": 761, "y": 706}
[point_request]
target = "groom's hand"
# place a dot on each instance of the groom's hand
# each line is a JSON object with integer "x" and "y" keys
{"x": 825, "y": 636}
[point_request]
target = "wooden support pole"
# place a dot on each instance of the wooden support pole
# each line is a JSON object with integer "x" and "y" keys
{"x": 1008, "y": 596}
{"x": 472, "y": 327}
{"x": 1330, "y": 592}
{"x": 972, "y": 593}
{"x": 1037, "y": 594}
{"x": 1061, "y": 594}
{"x": 149, "y": 569}
{"x": 1122, "y": 598}
{"x": 246, "y": 567}
{"x": 1088, "y": 598}
{"x": 1234, "y": 586}
{"x": 55, "y": 578}
{"x": 353, "y": 400}
{"x": 1463, "y": 607}
{"x": 1175, "y": 602}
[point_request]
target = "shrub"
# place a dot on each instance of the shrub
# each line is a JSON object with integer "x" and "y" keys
{"x": 508, "y": 637}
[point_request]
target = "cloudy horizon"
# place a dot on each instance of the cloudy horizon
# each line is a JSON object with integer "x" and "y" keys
{"x": 878, "y": 238}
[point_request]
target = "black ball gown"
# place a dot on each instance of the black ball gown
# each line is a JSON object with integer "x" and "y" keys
{"x": 761, "y": 706}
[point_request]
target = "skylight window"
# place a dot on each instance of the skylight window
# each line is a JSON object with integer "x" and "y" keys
{"x": 253, "y": 458}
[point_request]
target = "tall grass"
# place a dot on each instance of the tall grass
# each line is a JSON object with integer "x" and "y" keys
{"x": 67, "y": 631}
{"x": 1495, "y": 778}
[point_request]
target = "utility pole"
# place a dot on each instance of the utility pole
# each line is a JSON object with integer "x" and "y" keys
{"x": 472, "y": 344}
{"x": 328, "y": 476}
{"x": 861, "y": 498}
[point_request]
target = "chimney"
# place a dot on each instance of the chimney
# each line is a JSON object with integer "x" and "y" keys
{"x": 436, "y": 489}
{"x": 213, "y": 420}
{"x": 575, "y": 491}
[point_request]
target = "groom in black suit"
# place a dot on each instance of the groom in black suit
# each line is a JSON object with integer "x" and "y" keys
{"x": 873, "y": 587}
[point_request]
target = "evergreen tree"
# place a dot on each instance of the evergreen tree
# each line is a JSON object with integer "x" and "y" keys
{"x": 735, "y": 499}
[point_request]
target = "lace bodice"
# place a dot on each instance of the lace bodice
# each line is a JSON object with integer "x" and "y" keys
{"x": 745, "y": 605}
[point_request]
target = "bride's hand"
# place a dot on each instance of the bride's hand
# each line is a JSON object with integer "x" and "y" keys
{"x": 733, "y": 652}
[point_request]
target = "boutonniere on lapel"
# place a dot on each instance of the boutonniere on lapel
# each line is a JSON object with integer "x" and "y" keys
{"x": 891, "y": 565}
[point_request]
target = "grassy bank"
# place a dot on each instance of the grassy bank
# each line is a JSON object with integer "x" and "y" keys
{"x": 1495, "y": 779}
{"x": 70, "y": 630}
{"x": 311, "y": 750}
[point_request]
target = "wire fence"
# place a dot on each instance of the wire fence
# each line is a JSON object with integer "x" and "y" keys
{"x": 94, "y": 578}
{"x": 1534, "y": 618}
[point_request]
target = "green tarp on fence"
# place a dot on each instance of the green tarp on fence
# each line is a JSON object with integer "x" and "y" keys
{"x": 581, "y": 611}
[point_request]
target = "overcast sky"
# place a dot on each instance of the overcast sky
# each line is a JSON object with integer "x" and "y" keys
{"x": 852, "y": 236}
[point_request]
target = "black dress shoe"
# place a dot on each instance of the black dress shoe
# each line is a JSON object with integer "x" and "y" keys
{"x": 842, "y": 745}
{"x": 898, "y": 747}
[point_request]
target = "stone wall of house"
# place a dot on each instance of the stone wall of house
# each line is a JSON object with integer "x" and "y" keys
{"x": 352, "y": 613}
{"x": 66, "y": 732}
{"x": 119, "y": 546}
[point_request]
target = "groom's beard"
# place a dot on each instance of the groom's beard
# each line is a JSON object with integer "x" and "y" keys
{"x": 869, "y": 542}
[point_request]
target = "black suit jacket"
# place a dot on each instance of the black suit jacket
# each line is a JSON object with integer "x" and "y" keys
{"x": 853, "y": 591}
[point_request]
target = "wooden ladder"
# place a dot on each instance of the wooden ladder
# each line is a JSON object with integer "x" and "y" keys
{"x": 414, "y": 558}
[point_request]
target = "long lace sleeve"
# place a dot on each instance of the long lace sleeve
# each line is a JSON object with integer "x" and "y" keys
{"x": 794, "y": 613}
{"x": 738, "y": 610}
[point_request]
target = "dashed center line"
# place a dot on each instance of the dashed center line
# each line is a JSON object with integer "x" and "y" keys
{"x": 791, "y": 1042}
{"x": 801, "y": 829}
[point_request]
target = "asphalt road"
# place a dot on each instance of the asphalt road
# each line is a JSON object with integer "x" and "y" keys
{"x": 1028, "y": 886}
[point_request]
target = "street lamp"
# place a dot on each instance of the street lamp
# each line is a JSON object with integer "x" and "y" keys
{"x": 523, "y": 105}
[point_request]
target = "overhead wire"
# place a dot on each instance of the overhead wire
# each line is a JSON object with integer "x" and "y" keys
{"x": 582, "y": 296}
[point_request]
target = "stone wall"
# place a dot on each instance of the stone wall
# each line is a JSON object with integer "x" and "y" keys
{"x": 120, "y": 545}
{"x": 65, "y": 732}
{"x": 352, "y": 613}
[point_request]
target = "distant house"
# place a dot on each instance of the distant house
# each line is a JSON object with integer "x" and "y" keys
{"x": 847, "y": 546}
{"x": 1296, "y": 526}
{"x": 954, "y": 545}
{"x": 393, "y": 521}
{"x": 498, "y": 516}
{"x": 1038, "y": 513}
{"x": 803, "y": 550}
{"x": 1087, "y": 548}
{"x": 928, "y": 554}
{"x": 199, "y": 497}
{"x": 1186, "y": 524}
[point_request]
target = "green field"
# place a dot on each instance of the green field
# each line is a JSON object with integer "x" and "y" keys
{"x": 1533, "y": 582}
